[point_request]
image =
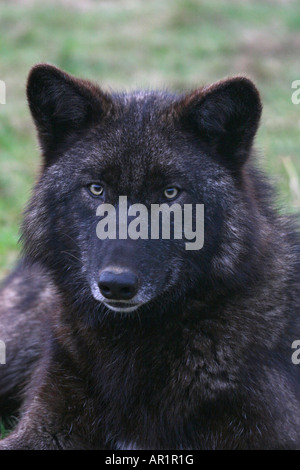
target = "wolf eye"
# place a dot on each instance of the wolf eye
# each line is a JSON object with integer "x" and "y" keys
{"x": 96, "y": 189}
{"x": 171, "y": 193}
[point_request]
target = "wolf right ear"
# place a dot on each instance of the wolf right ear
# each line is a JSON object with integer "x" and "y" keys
{"x": 225, "y": 115}
{"x": 62, "y": 105}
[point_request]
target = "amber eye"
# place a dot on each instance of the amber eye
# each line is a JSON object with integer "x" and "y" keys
{"x": 171, "y": 193}
{"x": 96, "y": 189}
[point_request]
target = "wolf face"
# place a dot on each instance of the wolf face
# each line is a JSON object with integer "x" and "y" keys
{"x": 153, "y": 148}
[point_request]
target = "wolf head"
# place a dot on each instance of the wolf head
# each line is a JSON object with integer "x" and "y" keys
{"x": 153, "y": 148}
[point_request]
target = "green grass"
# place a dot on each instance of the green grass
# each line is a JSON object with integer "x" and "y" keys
{"x": 6, "y": 426}
{"x": 3, "y": 430}
{"x": 175, "y": 43}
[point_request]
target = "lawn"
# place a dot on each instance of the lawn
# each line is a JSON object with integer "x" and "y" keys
{"x": 179, "y": 44}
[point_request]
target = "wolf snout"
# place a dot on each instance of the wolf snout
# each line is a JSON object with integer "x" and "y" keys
{"x": 121, "y": 285}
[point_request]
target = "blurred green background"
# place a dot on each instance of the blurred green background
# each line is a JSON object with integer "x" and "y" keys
{"x": 126, "y": 44}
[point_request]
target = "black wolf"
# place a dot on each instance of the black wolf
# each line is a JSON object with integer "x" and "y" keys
{"x": 142, "y": 344}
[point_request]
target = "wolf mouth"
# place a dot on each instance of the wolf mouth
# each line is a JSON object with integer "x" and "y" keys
{"x": 117, "y": 306}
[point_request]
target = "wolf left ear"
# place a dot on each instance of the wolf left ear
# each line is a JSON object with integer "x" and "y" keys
{"x": 62, "y": 105}
{"x": 225, "y": 115}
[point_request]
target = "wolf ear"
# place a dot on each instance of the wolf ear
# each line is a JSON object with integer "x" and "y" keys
{"x": 62, "y": 105}
{"x": 226, "y": 116}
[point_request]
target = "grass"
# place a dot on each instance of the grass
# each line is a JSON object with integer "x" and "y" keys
{"x": 6, "y": 426}
{"x": 3, "y": 430}
{"x": 175, "y": 43}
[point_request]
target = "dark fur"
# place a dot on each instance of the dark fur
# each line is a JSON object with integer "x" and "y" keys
{"x": 205, "y": 362}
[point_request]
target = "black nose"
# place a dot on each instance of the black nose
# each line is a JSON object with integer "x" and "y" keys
{"x": 118, "y": 286}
